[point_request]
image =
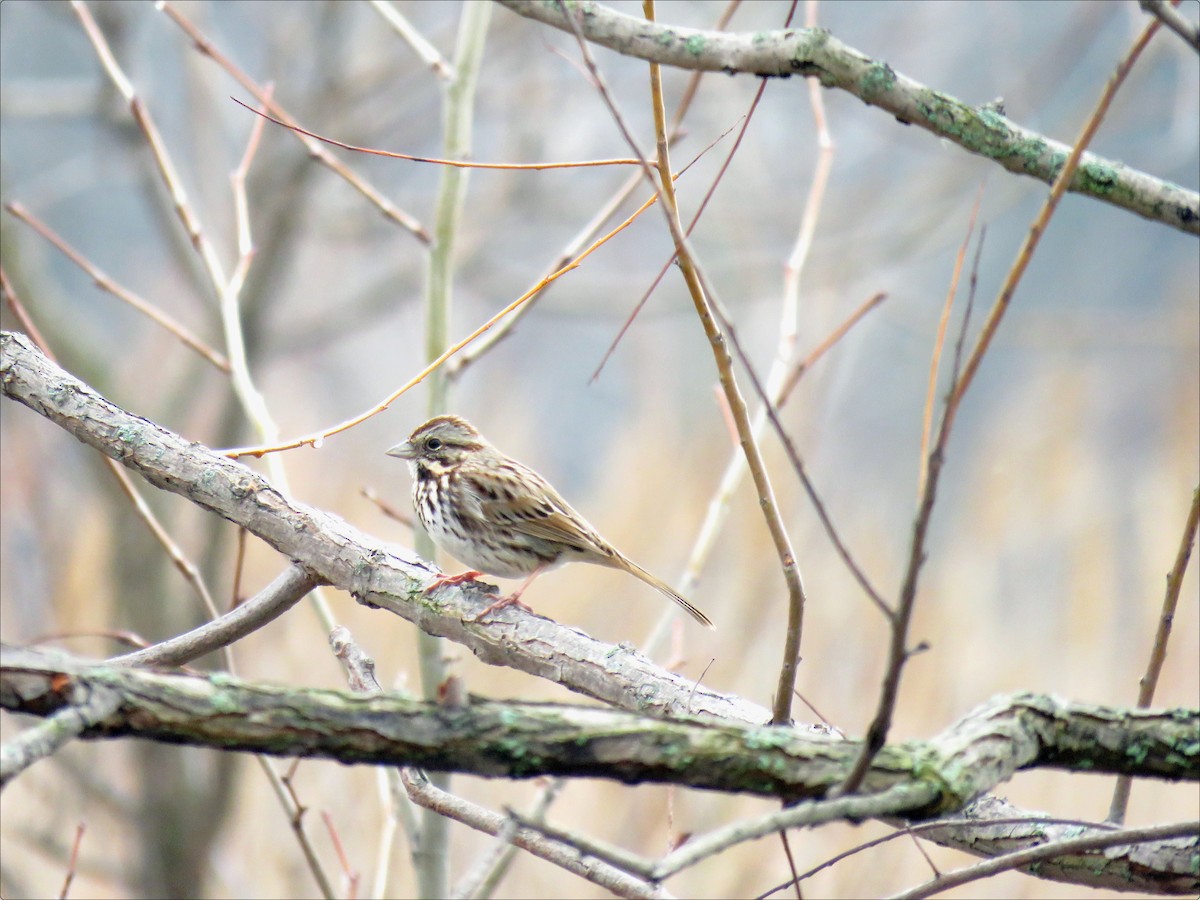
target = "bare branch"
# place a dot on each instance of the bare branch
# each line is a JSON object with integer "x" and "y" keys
{"x": 521, "y": 740}
{"x": 63, "y": 726}
{"x": 375, "y": 573}
{"x": 1125, "y": 838}
{"x": 898, "y": 650}
{"x": 380, "y": 575}
{"x": 1158, "y": 652}
{"x": 1173, "y": 19}
{"x": 319, "y": 153}
{"x": 808, "y": 51}
{"x": 269, "y": 604}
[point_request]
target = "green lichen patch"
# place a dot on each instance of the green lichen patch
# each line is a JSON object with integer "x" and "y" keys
{"x": 878, "y": 79}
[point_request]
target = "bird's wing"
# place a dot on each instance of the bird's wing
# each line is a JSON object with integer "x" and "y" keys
{"x": 519, "y": 499}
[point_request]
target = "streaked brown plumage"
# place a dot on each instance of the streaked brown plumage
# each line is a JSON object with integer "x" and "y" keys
{"x": 500, "y": 517}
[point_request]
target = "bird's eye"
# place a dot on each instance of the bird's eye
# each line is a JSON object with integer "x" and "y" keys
{"x": 433, "y": 444}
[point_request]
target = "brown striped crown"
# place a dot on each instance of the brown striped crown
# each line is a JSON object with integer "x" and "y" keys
{"x": 440, "y": 444}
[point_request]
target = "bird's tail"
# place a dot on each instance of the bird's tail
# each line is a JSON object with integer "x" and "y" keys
{"x": 667, "y": 590}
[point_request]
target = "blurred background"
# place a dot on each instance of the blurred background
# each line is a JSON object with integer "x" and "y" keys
{"x": 1069, "y": 474}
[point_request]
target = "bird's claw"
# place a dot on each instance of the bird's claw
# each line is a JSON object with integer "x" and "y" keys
{"x": 458, "y": 580}
{"x": 502, "y": 603}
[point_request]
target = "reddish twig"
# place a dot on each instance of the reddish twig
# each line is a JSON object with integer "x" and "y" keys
{"x": 939, "y": 344}
{"x": 348, "y": 872}
{"x": 319, "y": 153}
{"x": 73, "y": 861}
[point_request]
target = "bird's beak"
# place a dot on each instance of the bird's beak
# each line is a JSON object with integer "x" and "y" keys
{"x": 404, "y": 451}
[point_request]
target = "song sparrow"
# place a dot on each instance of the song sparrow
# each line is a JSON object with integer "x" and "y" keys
{"x": 500, "y": 517}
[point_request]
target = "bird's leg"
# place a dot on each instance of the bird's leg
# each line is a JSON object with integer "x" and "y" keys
{"x": 513, "y": 599}
{"x": 461, "y": 578}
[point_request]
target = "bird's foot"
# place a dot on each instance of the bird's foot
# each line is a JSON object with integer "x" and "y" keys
{"x": 470, "y": 577}
{"x": 502, "y": 603}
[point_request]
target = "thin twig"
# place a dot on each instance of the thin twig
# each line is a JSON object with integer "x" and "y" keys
{"x": 239, "y": 565}
{"x": 284, "y": 592}
{"x": 392, "y": 512}
{"x": 483, "y": 878}
{"x": 565, "y": 854}
{"x": 442, "y": 161}
{"x": 538, "y": 809}
{"x": 390, "y": 802}
{"x": 589, "y": 231}
{"x": 158, "y": 151}
{"x": 471, "y": 884}
{"x": 286, "y": 795}
{"x": 965, "y": 326}
{"x": 1158, "y": 652}
{"x": 1034, "y": 855}
{"x": 708, "y": 195}
{"x": 925, "y": 855}
{"x": 800, "y": 369}
{"x": 666, "y": 266}
{"x": 186, "y": 567}
{"x": 120, "y": 636}
{"x": 617, "y": 857}
{"x": 352, "y": 876}
{"x": 806, "y": 814}
{"x": 241, "y": 204}
{"x": 939, "y": 343}
{"x": 420, "y": 45}
{"x": 189, "y": 570}
{"x": 780, "y": 380}
{"x": 734, "y": 469}
{"x": 898, "y": 651}
{"x": 314, "y": 148}
{"x": 18, "y": 310}
{"x": 704, "y": 310}
{"x": 920, "y": 828}
{"x": 1038, "y": 228}
{"x": 73, "y": 861}
{"x": 786, "y": 52}
{"x": 793, "y": 455}
{"x": 470, "y": 354}
{"x": 791, "y": 861}
{"x": 105, "y": 283}
{"x": 316, "y": 438}
{"x": 1173, "y": 19}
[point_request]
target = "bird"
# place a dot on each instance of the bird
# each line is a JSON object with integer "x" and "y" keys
{"x": 500, "y": 517}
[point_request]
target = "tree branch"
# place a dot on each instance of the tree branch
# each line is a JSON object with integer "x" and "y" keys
{"x": 382, "y": 575}
{"x": 808, "y": 51}
{"x": 1173, "y": 19}
{"x": 288, "y": 589}
{"x": 524, "y": 740}
{"x": 335, "y": 552}
{"x": 1147, "y": 868}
